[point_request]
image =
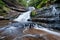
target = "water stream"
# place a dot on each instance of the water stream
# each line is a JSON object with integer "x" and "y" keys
{"x": 24, "y": 16}
{"x": 16, "y": 28}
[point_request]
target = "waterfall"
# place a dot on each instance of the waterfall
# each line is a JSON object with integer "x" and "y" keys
{"x": 24, "y": 16}
{"x": 54, "y": 10}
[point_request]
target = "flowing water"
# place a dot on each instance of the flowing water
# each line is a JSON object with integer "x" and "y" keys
{"x": 16, "y": 29}
{"x": 24, "y": 16}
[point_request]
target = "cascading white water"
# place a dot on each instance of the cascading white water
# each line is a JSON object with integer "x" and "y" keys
{"x": 54, "y": 10}
{"x": 24, "y": 16}
{"x": 46, "y": 30}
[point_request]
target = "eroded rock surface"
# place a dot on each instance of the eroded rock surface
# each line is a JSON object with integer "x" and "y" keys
{"x": 48, "y": 17}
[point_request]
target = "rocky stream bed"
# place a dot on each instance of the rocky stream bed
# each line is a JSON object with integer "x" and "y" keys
{"x": 44, "y": 26}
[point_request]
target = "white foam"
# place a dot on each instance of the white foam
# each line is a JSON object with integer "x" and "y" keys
{"x": 54, "y": 10}
{"x": 49, "y": 31}
{"x": 24, "y": 16}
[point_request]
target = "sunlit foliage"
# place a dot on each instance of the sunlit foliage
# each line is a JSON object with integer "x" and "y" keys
{"x": 40, "y": 3}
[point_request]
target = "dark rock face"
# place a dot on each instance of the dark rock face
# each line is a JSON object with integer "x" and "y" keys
{"x": 49, "y": 17}
{"x": 57, "y": 1}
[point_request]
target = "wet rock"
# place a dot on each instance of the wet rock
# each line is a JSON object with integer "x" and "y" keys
{"x": 1, "y": 17}
{"x": 3, "y": 23}
{"x": 19, "y": 9}
{"x": 43, "y": 35}
{"x": 57, "y": 1}
{"x": 48, "y": 17}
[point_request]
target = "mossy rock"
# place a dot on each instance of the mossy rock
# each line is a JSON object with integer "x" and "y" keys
{"x": 33, "y": 13}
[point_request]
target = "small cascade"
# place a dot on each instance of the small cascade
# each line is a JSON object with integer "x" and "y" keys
{"x": 24, "y": 16}
{"x": 54, "y": 10}
{"x": 47, "y": 30}
{"x": 55, "y": 13}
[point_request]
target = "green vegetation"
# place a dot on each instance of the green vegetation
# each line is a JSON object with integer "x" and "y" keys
{"x": 23, "y": 2}
{"x": 3, "y": 8}
{"x": 33, "y": 13}
{"x": 36, "y": 3}
{"x": 40, "y": 3}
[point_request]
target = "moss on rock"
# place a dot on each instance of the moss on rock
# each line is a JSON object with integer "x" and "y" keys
{"x": 33, "y": 13}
